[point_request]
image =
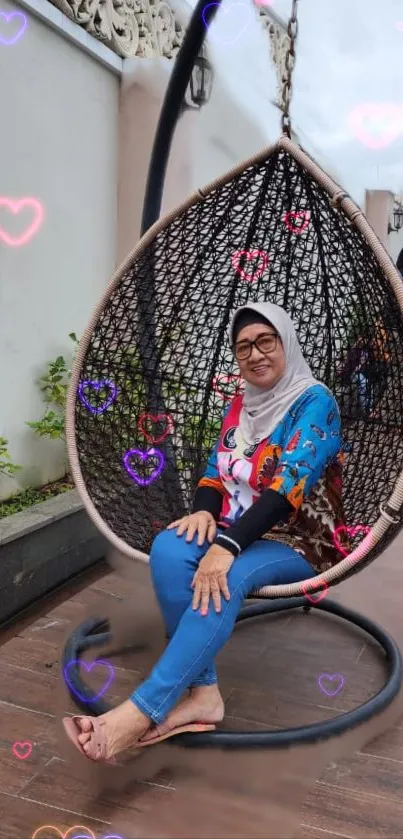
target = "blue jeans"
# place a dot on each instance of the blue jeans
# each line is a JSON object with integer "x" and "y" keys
{"x": 188, "y": 660}
{"x": 363, "y": 391}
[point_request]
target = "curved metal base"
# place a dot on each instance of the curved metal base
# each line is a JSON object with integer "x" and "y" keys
{"x": 84, "y": 638}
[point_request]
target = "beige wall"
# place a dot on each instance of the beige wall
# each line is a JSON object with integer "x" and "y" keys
{"x": 144, "y": 83}
{"x": 379, "y": 210}
{"x": 207, "y": 142}
{"x": 59, "y": 109}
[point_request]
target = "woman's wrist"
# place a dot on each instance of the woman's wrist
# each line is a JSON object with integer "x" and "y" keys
{"x": 228, "y": 543}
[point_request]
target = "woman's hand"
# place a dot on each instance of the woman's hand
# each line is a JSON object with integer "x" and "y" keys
{"x": 202, "y": 523}
{"x": 210, "y": 579}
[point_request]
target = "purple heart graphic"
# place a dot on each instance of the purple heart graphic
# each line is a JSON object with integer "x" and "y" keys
{"x": 88, "y": 666}
{"x": 144, "y": 456}
{"x": 97, "y": 386}
{"x": 23, "y": 25}
{"x": 233, "y": 18}
{"x": 331, "y": 677}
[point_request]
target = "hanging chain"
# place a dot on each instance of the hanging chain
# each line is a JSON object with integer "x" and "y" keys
{"x": 292, "y": 31}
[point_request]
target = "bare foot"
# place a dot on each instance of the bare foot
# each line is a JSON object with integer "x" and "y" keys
{"x": 122, "y": 728}
{"x": 205, "y": 704}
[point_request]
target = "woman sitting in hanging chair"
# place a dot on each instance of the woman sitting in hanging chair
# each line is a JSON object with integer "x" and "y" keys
{"x": 264, "y": 513}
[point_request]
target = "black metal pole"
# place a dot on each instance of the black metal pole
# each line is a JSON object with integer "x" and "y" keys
{"x": 171, "y": 109}
{"x": 170, "y": 113}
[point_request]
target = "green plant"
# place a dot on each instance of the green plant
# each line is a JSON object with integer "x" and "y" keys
{"x": 7, "y": 467}
{"x": 54, "y": 386}
{"x": 21, "y": 500}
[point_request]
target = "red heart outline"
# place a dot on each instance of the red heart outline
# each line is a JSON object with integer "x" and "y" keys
{"x": 22, "y": 743}
{"x": 155, "y": 418}
{"x": 15, "y": 206}
{"x": 226, "y": 379}
{"x": 305, "y": 214}
{"x": 316, "y": 584}
{"x": 250, "y": 255}
{"x": 350, "y": 531}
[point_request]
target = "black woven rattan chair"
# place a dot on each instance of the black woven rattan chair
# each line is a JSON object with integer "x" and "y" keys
{"x": 154, "y": 371}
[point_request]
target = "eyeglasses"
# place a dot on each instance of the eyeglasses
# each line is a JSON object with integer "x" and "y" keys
{"x": 265, "y": 343}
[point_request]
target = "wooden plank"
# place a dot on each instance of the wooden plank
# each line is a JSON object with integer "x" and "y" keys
{"x": 21, "y": 817}
{"x": 91, "y": 788}
{"x": 353, "y": 813}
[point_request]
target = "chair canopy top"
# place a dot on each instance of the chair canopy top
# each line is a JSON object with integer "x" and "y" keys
{"x": 154, "y": 370}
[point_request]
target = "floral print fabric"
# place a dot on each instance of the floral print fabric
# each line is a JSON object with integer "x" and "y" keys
{"x": 302, "y": 460}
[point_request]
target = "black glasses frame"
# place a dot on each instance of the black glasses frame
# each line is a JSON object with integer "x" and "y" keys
{"x": 254, "y": 343}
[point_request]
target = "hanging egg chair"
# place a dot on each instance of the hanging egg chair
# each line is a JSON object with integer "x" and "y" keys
{"x": 153, "y": 371}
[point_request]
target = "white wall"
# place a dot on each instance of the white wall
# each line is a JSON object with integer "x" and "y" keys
{"x": 59, "y": 145}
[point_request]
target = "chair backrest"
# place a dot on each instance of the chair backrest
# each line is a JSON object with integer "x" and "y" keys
{"x": 154, "y": 370}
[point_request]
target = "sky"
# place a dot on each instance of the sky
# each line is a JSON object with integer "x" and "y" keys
{"x": 347, "y": 102}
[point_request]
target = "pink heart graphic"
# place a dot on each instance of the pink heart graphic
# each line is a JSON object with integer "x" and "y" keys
{"x": 22, "y": 750}
{"x": 12, "y": 39}
{"x": 349, "y": 531}
{"x": 316, "y": 584}
{"x": 399, "y": 25}
{"x": 238, "y": 16}
{"x": 158, "y": 418}
{"x": 16, "y": 207}
{"x": 88, "y": 666}
{"x": 225, "y": 380}
{"x": 299, "y": 228}
{"x": 376, "y": 125}
{"x": 250, "y": 255}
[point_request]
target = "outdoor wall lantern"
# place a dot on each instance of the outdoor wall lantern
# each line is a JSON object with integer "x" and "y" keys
{"x": 397, "y": 219}
{"x": 201, "y": 84}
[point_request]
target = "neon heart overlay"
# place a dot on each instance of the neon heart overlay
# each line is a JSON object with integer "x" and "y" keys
{"x": 15, "y": 206}
{"x": 317, "y": 584}
{"x": 368, "y": 111}
{"x": 249, "y": 256}
{"x": 226, "y": 11}
{"x": 350, "y": 531}
{"x": 19, "y": 747}
{"x": 144, "y": 456}
{"x": 225, "y": 380}
{"x": 88, "y": 667}
{"x": 331, "y": 677}
{"x": 303, "y": 214}
{"x": 64, "y": 835}
{"x": 16, "y": 37}
{"x": 97, "y": 386}
{"x": 168, "y": 419}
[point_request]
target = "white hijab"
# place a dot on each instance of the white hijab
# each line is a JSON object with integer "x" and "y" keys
{"x": 263, "y": 408}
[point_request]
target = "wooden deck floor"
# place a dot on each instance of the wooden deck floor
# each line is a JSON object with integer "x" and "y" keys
{"x": 350, "y": 787}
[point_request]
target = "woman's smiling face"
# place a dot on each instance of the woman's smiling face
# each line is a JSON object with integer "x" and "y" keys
{"x": 265, "y": 366}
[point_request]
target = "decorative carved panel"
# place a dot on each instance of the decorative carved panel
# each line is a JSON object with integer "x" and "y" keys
{"x": 279, "y": 43}
{"x": 131, "y": 28}
{"x": 147, "y": 28}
